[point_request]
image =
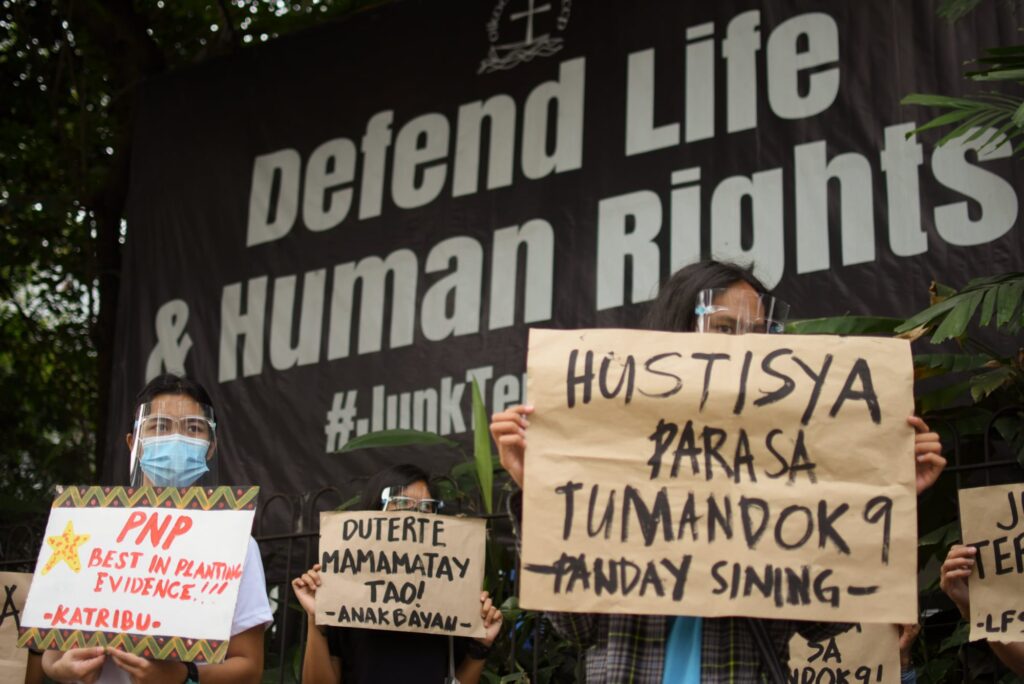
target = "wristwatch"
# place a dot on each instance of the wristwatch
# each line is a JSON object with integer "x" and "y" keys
{"x": 192, "y": 676}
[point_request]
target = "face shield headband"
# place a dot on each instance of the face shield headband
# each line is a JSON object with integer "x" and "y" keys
{"x": 392, "y": 499}
{"x": 719, "y": 310}
{"x": 173, "y": 440}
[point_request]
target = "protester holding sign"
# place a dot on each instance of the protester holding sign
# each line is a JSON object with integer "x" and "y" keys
{"x": 172, "y": 443}
{"x": 959, "y": 565}
{"x": 705, "y": 297}
{"x": 365, "y": 656}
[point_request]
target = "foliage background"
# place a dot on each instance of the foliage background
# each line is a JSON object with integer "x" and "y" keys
{"x": 68, "y": 76}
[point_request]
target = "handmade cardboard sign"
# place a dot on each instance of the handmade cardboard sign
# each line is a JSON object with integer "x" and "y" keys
{"x": 408, "y": 572}
{"x": 757, "y": 475}
{"x": 152, "y": 571}
{"x": 865, "y": 653}
{"x": 992, "y": 520}
{"x": 13, "y": 660}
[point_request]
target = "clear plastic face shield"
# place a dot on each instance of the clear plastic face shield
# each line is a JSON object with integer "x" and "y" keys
{"x": 173, "y": 443}
{"x": 404, "y": 499}
{"x": 737, "y": 311}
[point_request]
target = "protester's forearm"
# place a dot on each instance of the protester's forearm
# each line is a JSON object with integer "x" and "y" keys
{"x": 1012, "y": 655}
{"x": 238, "y": 669}
{"x": 316, "y": 661}
{"x": 469, "y": 670}
{"x": 244, "y": 661}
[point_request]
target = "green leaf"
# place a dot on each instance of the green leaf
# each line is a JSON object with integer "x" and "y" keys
{"x": 975, "y": 125}
{"x": 843, "y": 325}
{"x": 482, "y": 449}
{"x": 930, "y": 100}
{"x": 1008, "y": 300}
{"x": 394, "y": 438}
{"x": 953, "y": 10}
{"x": 1011, "y": 429}
{"x": 949, "y": 363}
{"x": 988, "y": 306}
{"x": 956, "y": 639}
{"x": 944, "y": 119}
{"x": 349, "y": 503}
{"x": 999, "y": 75}
{"x": 928, "y": 315}
{"x": 1005, "y": 51}
{"x": 941, "y": 535}
{"x": 943, "y": 398}
{"x": 987, "y": 383}
{"x": 955, "y": 322}
{"x": 942, "y": 291}
{"x": 965, "y": 422}
{"x": 1018, "y": 116}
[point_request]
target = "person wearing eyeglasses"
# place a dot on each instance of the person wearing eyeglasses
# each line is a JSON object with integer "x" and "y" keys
{"x": 173, "y": 443}
{"x": 355, "y": 655}
{"x": 707, "y": 297}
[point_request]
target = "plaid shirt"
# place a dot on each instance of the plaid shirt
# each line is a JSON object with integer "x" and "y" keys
{"x": 631, "y": 648}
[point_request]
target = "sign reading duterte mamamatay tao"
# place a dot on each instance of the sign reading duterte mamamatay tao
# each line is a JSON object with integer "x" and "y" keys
{"x": 760, "y": 475}
{"x": 400, "y": 571}
{"x": 152, "y": 571}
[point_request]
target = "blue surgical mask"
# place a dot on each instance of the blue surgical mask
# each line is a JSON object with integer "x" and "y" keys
{"x": 174, "y": 460}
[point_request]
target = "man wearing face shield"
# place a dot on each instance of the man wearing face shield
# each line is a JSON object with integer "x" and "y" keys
{"x": 173, "y": 443}
{"x": 707, "y": 297}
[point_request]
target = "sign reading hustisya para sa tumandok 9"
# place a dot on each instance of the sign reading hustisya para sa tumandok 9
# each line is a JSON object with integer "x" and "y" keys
{"x": 756, "y": 475}
{"x": 152, "y": 571}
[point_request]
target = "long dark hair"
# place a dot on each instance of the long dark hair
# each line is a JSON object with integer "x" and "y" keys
{"x": 401, "y": 475}
{"x": 672, "y": 310}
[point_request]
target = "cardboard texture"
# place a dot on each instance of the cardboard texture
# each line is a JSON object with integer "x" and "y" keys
{"x": 13, "y": 660}
{"x": 400, "y": 571}
{"x": 756, "y": 475}
{"x": 865, "y": 653}
{"x": 992, "y": 519}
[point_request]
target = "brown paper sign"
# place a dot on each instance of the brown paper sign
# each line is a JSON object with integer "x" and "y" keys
{"x": 865, "y": 653}
{"x": 757, "y": 475}
{"x": 13, "y": 659}
{"x": 408, "y": 572}
{"x": 992, "y": 519}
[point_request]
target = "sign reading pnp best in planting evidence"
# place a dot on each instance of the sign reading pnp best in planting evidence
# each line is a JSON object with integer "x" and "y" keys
{"x": 152, "y": 571}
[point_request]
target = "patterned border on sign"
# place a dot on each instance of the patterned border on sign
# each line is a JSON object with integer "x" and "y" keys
{"x": 145, "y": 645}
{"x": 193, "y": 498}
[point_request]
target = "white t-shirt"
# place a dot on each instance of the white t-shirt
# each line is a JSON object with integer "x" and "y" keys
{"x": 252, "y": 609}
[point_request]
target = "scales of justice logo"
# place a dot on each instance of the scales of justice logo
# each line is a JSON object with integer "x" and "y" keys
{"x": 530, "y": 17}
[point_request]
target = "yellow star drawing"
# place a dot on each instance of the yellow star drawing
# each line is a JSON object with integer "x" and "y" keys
{"x": 65, "y": 548}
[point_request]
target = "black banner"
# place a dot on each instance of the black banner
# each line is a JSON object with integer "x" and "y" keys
{"x": 336, "y": 230}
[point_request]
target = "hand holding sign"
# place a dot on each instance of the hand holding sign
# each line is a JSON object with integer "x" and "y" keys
{"x": 508, "y": 429}
{"x": 927, "y": 454}
{"x": 305, "y": 587}
{"x": 145, "y": 671}
{"x": 956, "y": 569}
{"x": 491, "y": 615}
{"x": 78, "y": 664}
